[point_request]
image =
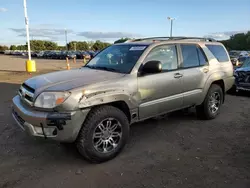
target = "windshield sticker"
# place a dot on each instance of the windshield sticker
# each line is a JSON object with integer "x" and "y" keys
{"x": 137, "y": 48}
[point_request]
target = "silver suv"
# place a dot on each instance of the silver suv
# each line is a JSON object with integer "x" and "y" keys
{"x": 94, "y": 106}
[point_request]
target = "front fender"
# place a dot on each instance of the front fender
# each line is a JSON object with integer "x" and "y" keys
{"x": 107, "y": 96}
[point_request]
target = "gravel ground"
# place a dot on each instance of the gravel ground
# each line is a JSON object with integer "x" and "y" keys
{"x": 178, "y": 151}
{"x": 17, "y": 63}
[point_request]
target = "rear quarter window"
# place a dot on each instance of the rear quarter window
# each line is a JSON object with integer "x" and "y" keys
{"x": 219, "y": 52}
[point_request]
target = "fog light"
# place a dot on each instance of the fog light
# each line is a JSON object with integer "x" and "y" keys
{"x": 47, "y": 131}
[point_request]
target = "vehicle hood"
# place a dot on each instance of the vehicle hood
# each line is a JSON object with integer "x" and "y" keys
{"x": 243, "y": 69}
{"x": 70, "y": 79}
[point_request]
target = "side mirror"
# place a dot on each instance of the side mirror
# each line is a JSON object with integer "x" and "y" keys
{"x": 151, "y": 67}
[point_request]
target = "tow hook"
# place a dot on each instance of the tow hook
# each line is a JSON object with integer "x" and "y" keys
{"x": 43, "y": 131}
{"x": 58, "y": 120}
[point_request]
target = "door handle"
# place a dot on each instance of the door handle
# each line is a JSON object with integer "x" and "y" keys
{"x": 178, "y": 75}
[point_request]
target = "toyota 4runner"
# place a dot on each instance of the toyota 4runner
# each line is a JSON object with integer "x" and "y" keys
{"x": 94, "y": 106}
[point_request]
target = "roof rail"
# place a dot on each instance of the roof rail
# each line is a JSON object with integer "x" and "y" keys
{"x": 171, "y": 38}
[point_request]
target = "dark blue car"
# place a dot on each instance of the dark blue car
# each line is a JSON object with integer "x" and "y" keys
{"x": 242, "y": 76}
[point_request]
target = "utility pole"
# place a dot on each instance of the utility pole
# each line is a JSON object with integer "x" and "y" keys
{"x": 74, "y": 46}
{"x": 171, "y": 25}
{"x": 66, "y": 39}
{"x": 30, "y": 65}
{"x": 27, "y": 27}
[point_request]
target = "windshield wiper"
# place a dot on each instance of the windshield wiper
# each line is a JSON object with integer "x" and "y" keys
{"x": 88, "y": 66}
{"x": 103, "y": 68}
{"x": 106, "y": 68}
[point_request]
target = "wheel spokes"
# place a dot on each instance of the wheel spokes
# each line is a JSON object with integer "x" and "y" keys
{"x": 101, "y": 127}
{"x": 116, "y": 134}
{"x": 97, "y": 135}
{"x": 98, "y": 143}
{"x": 214, "y": 102}
{"x": 107, "y": 135}
{"x": 113, "y": 127}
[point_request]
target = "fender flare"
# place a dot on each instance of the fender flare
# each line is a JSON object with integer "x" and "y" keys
{"x": 105, "y": 97}
{"x": 216, "y": 76}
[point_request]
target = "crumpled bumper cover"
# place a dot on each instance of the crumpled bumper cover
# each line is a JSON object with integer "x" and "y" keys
{"x": 60, "y": 126}
{"x": 242, "y": 81}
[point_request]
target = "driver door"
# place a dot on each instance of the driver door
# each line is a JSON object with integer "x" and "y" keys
{"x": 161, "y": 92}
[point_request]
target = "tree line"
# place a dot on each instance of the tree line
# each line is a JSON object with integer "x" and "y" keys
{"x": 240, "y": 41}
{"x": 40, "y": 45}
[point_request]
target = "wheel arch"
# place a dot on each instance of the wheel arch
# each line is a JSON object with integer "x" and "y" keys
{"x": 215, "y": 78}
{"x": 121, "y": 105}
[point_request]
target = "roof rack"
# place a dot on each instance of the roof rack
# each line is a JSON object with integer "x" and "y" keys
{"x": 154, "y": 39}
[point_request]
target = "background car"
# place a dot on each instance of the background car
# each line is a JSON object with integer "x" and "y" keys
{"x": 242, "y": 76}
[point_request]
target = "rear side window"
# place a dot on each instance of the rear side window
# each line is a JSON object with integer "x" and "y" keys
{"x": 191, "y": 55}
{"x": 218, "y": 51}
{"x": 202, "y": 58}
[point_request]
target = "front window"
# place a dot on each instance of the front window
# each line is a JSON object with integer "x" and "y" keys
{"x": 166, "y": 54}
{"x": 117, "y": 58}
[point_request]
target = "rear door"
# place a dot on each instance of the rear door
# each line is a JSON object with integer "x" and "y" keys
{"x": 195, "y": 73}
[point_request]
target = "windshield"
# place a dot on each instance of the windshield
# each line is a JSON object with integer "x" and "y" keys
{"x": 246, "y": 62}
{"x": 117, "y": 58}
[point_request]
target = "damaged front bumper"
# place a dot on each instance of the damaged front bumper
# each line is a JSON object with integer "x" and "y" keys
{"x": 242, "y": 81}
{"x": 243, "y": 87}
{"x": 60, "y": 126}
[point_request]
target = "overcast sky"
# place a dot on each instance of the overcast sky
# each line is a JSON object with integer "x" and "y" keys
{"x": 112, "y": 19}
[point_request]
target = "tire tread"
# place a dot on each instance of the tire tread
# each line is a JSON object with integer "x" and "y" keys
{"x": 85, "y": 151}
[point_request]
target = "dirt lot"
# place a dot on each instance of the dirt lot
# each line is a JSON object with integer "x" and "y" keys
{"x": 178, "y": 151}
{"x": 17, "y": 63}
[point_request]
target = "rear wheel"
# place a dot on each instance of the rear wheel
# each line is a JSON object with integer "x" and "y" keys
{"x": 103, "y": 135}
{"x": 210, "y": 107}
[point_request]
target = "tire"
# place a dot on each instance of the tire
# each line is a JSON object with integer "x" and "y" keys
{"x": 204, "y": 111}
{"x": 85, "y": 142}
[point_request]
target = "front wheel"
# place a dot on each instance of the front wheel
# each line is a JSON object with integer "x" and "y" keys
{"x": 210, "y": 107}
{"x": 103, "y": 135}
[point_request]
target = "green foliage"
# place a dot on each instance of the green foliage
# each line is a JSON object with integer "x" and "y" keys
{"x": 122, "y": 40}
{"x": 37, "y": 45}
{"x": 240, "y": 41}
{"x": 21, "y": 47}
{"x": 50, "y": 45}
{"x": 61, "y": 48}
{"x": 41, "y": 45}
{"x": 98, "y": 45}
{"x": 13, "y": 47}
{"x": 3, "y": 48}
{"x": 76, "y": 45}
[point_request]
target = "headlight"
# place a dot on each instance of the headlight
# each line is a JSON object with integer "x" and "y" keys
{"x": 51, "y": 99}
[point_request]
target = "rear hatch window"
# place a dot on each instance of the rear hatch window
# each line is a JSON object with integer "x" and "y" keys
{"x": 219, "y": 52}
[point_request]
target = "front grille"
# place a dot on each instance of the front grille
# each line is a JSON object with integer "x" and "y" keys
{"x": 19, "y": 119}
{"x": 27, "y": 93}
{"x": 243, "y": 77}
{"x": 28, "y": 88}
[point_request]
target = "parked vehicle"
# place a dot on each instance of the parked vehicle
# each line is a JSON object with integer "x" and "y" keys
{"x": 244, "y": 54}
{"x": 95, "y": 105}
{"x": 40, "y": 54}
{"x": 71, "y": 54}
{"x": 242, "y": 76}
